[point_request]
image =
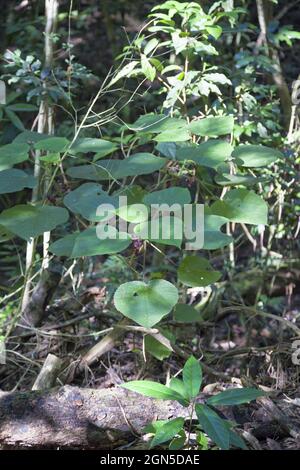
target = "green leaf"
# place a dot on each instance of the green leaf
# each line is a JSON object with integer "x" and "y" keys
{"x": 157, "y": 123}
{"x": 87, "y": 243}
{"x": 167, "y": 149}
{"x": 99, "y": 146}
{"x": 148, "y": 70}
{"x": 86, "y": 199}
{"x": 166, "y": 230}
{"x": 192, "y": 376}
{"x": 15, "y": 180}
{"x": 125, "y": 71}
{"x": 235, "y": 180}
{"x": 50, "y": 158}
{"x": 194, "y": 271}
{"x": 152, "y": 389}
{"x": 236, "y": 441}
{"x": 176, "y": 135}
{"x": 156, "y": 348}
{"x": 151, "y": 45}
{"x": 186, "y": 314}
{"x": 134, "y": 213}
{"x": 215, "y": 31}
{"x": 213, "y": 426}
{"x": 28, "y": 221}
{"x": 235, "y": 396}
{"x": 178, "y": 442}
{"x": 146, "y": 304}
{"x": 213, "y": 237}
{"x": 30, "y": 137}
{"x": 22, "y": 107}
{"x": 241, "y": 205}
{"x": 53, "y": 144}
{"x": 255, "y": 156}
{"x": 210, "y": 154}
{"x": 15, "y": 119}
{"x": 167, "y": 431}
{"x": 137, "y": 164}
{"x": 11, "y": 154}
{"x": 178, "y": 386}
{"x": 212, "y": 126}
{"x": 170, "y": 196}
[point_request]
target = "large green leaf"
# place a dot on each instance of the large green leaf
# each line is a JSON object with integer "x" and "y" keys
{"x": 176, "y": 135}
{"x": 255, "y": 156}
{"x": 241, "y": 205}
{"x": 192, "y": 377}
{"x": 210, "y": 154}
{"x": 52, "y": 144}
{"x": 86, "y": 199}
{"x": 28, "y": 221}
{"x": 213, "y": 237}
{"x": 167, "y": 230}
{"x": 212, "y": 126}
{"x": 168, "y": 196}
{"x": 213, "y": 425}
{"x": 146, "y": 304}
{"x": 30, "y": 137}
{"x": 11, "y": 154}
{"x": 186, "y": 313}
{"x": 235, "y": 396}
{"x": 197, "y": 272}
{"x": 157, "y": 123}
{"x": 137, "y": 164}
{"x": 99, "y": 146}
{"x": 167, "y": 149}
{"x": 14, "y": 180}
{"x": 152, "y": 389}
{"x": 87, "y": 243}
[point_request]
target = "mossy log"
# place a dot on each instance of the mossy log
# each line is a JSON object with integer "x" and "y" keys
{"x": 71, "y": 417}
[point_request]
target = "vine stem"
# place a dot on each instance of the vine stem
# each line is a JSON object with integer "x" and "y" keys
{"x": 45, "y": 124}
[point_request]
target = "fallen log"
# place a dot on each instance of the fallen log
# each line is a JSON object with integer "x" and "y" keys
{"x": 75, "y": 418}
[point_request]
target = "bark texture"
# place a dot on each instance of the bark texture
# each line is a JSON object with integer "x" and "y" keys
{"x": 70, "y": 417}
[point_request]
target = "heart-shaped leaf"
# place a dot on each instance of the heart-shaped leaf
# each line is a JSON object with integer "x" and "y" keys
{"x": 255, "y": 156}
{"x": 99, "y": 146}
{"x": 241, "y": 205}
{"x": 137, "y": 164}
{"x": 86, "y": 199}
{"x": 146, "y": 304}
{"x": 11, "y": 154}
{"x": 210, "y": 154}
{"x": 52, "y": 144}
{"x": 28, "y": 221}
{"x": 87, "y": 243}
{"x": 194, "y": 271}
{"x": 168, "y": 196}
{"x": 212, "y": 126}
{"x": 167, "y": 230}
{"x": 15, "y": 180}
{"x": 186, "y": 314}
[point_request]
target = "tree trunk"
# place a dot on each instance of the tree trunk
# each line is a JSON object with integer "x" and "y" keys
{"x": 70, "y": 417}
